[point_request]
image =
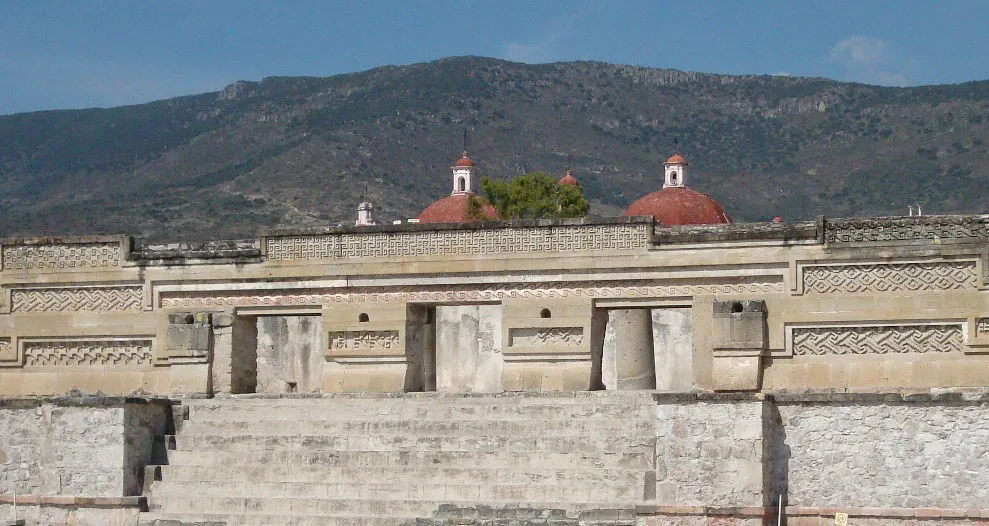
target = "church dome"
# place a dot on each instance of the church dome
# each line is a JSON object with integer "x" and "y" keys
{"x": 455, "y": 209}
{"x": 676, "y": 159}
{"x": 679, "y": 206}
{"x": 464, "y": 161}
{"x": 569, "y": 179}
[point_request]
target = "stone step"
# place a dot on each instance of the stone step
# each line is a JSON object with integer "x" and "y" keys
{"x": 255, "y": 519}
{"x": 641, "y": 457}
{"x": 246, "y": 507}
{"x": 270, "y": 493}
{"x": 433, "y": 514}
{"x": 508, "y": 398}
{"x": 308, "y": 474}
{"x": 406, "y": 410}
{"x": 400, "y": 442}
{"x": 435, "y": 427}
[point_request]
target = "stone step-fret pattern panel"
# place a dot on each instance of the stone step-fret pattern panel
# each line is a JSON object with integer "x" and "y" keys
{"x": 461, "y": 242}
{"x": 68, "y": 256}
{"x": 362, "y": 342}
{"x": 890, "y": 277}
{"x": 103, "y": 352}
{"x": 883, "y": 339}
{"x": 77, "y": 299}
{"x": 589, "y": 289}
{"x": 879, "y": 229}
{"x": 546, "y": 337}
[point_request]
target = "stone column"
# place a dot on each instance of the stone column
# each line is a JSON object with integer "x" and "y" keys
{"x": 222, "y": 370}
{"x": 628, "y": 362}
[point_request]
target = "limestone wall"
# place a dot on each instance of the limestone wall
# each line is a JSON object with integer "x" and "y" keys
{"x": 88, "y": 448}
{"x": 924, "y": 455}
{"x": 469, "y": 348}
{"x": 869, "y": 303}
{"x": 881, "y": 458}
{"x": 710, "y": 452}
{"x": 289, "y": 354}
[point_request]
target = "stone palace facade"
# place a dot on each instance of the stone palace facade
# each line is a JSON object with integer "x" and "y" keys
{"x": 836, "y": 366}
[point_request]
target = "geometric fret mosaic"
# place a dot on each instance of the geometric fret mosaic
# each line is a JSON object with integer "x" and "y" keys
{"x": 878, "y": 229}
{"x": 459, "y": 242}
{"x": 464, "y": 293}
{"x": 97, "y": 352}
{"x": 890, "y": 277}
{"x": 886, "y": 339}
{"x": 41, "y": 257}
{"x": 68, "y": 299}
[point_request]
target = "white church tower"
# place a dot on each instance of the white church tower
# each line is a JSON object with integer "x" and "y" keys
{"x": 465, "y": 180}
{"x": 364, "y": 214}
{"x": 676, "y": 167}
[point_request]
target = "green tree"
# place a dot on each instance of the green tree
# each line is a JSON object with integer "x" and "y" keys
{"x": 533, "y": 196}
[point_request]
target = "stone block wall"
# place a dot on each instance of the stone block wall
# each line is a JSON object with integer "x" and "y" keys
{"x": 90, "y": 448}
{"x": 710, "y": 452}
{"x": 882, "y": 458}
{"x": 77, "y": 461}
{"x": 884, "y": 454}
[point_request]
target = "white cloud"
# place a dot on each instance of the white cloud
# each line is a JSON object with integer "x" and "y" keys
{"x": 541, "y": 51}
{"x": 860, "y": 50}
{"x": 867, "y": 59}
{"x": 549, "y": 48}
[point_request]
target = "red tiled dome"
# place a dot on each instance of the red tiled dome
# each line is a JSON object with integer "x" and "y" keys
{"x": 464, "y": 161}
{"x": 569, "y": 179}
{"x": 453, "y": 209}
{"x": 679, "y": 206}
{"x": 676, "y": 159}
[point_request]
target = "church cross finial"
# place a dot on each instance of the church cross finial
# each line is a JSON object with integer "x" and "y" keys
{"x": 676, "y": 144}
{"x": 465, "y": 141}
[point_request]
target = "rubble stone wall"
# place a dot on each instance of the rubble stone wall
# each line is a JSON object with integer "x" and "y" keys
{"x": 923, "y": 455}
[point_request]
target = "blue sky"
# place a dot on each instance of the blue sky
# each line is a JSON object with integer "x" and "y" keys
{"x": 83, "y": 53}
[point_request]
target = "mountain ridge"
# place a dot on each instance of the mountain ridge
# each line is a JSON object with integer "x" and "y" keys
{"x": 299, "y": 151}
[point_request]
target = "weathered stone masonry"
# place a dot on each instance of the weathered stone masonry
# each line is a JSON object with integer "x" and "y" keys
{"x": 874, "y": 307}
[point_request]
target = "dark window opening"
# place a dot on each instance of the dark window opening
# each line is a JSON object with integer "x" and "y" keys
{"x": 545, "y": 313}
{"x": 363, "y": 318}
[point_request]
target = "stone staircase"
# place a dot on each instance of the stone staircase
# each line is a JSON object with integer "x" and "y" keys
{"x": 424, "y": 458}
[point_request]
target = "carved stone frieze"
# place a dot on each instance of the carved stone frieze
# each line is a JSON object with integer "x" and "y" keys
{"x": 411, "y": 294}
{"x": 67, "y": 299}
{"x": 7, "y": 351}
{"x": 61, "y": 257}
{"x": 905, "y": 228}
{"x": 459, "y": 242}
{"x": 982, "y": 326}
{"x": 97, "y": 352}
{"x": 547, "y": 337}
{"x": 885, "y": 339}
{"x": 890, "y": 277}
{"x": 341, "y": 341}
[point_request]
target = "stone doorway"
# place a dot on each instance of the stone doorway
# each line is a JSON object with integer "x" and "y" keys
{"x": 289, "y": 354}
{"x": 455, "y": 348}
{"x": 644, "y": 348}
